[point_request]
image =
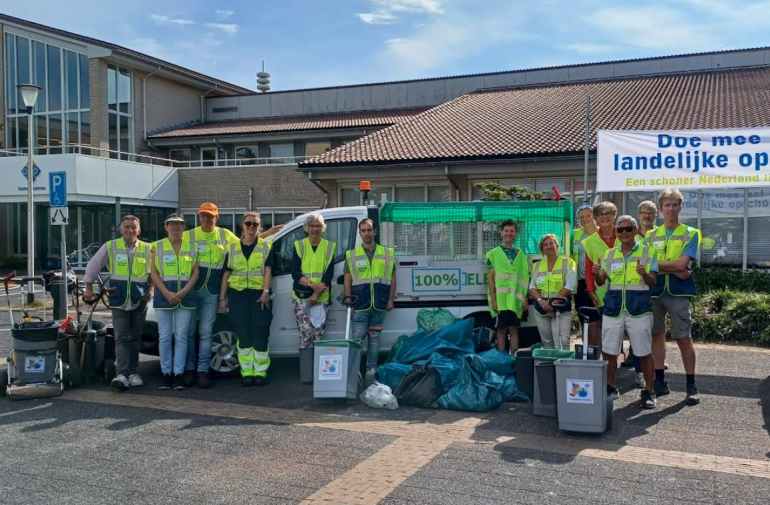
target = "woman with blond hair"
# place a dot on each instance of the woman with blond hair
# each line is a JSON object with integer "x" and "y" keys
{"x": 554, "y": 276}
{"x": 246, "y": 284}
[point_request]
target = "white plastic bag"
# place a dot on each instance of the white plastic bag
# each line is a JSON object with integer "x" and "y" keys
{"x": 379, "y": 396}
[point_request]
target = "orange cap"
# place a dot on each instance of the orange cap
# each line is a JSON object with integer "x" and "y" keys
{"x": 209, "y": 208}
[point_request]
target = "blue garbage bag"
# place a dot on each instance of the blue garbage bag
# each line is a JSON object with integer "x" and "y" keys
{"x": 391, "y": 374}
{"x": 453, "y": 341}
{"x": 510, "y": 391}
{"x": 449, "y": 369}
{"x": 459, "y": 334}
{"x": 499, "y": 362}
{"x": 477, "y": 389}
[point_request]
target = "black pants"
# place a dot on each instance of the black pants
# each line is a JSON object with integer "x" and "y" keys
{"x": 249, "y": 321}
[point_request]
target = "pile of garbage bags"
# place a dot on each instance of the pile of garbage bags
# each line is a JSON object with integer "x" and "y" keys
{"x": 442, "y": 368}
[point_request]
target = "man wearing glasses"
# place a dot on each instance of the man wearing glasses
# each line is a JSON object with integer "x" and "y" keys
{"x": 627, "y": 272}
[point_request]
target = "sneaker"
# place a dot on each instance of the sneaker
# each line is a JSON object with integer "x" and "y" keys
{"x": 247, "y": 381}
{"x": 120, "y": 383}
{"x": 639, "y": 378}
{"x": 135, "y": 381}
{"x": 661, "y": 388}
{"x": 260, "y": 381}
{"x": 189, "y": 378}
{"x": 179, "y": 383}
{"x": 204, "y": 381}
{"x": 613, "y": 392}
{"x": 692, "y": 395}
{"x": 168, "y": 382}
{"x": 648, "y": 400}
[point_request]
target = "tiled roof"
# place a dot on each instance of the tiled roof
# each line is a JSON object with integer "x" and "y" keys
{"x": 224, "y": 86}
{"x": 550, "y": 120}
{"x": 294, "y": 123}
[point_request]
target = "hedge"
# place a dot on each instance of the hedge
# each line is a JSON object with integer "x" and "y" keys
{"x": 12, "y": 261}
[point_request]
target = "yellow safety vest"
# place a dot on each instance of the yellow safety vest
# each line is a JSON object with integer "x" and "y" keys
{"x": 626, "y": 289}
{"x": 315, "y": 263}
{"x": 211, "y": 256}
{"x": 175, "y": 271}
{"x": 371, "y": 281}
{"x": 670, "y": 249}
{"x": 248, "y": 274}
{"x": 511, "y": 281}
{"x": 130, "y": 280}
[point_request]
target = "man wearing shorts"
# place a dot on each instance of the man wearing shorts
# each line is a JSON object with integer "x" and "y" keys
{"x": 628, "y": 273}
{"x": 677, "y": 247}
{"x": 508, "y": 284}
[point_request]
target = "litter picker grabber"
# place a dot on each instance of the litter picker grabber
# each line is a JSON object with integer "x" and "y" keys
{"x": 559, "y": 304}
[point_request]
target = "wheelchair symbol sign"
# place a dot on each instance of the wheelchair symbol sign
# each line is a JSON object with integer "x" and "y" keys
{"x": 57, "y": 188}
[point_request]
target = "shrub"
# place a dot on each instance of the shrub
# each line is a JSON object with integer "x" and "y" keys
{"x": 719, "y": 278}
{"x": 12, "y": 262}
{"x": 732, "y": 316}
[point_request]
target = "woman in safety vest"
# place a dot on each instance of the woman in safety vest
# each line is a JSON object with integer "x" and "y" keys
{"x": 246, "y": 284}
{"x": 553, "y": 276}
{"x": 312, "y": 271}
{"x": 174, "y": 273}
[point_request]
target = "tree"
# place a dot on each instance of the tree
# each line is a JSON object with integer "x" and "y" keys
{"x": 494, "y": 192}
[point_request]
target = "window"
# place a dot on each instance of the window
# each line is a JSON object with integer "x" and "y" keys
{"x": 208, "y": 156}
{"x": 317, "y": 148}
{"x": 410, "y": 194}
{"x": 340, "y": 231}
{"x": 190, "y": 220}
{"x": 120, "y": 111}
{"x": 438, "y": 194}
{"x": 51, "y": 68}
{"x": 281, "y": 153}
{"x": 247, "y": 155}
{"x": 181, "y": 155}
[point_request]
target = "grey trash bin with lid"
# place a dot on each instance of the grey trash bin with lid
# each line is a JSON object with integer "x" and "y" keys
{"x": 337, "y": 363}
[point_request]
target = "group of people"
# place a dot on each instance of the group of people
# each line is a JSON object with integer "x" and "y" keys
{"x": 192, "y": 275}
{"x": 636, "y": 274}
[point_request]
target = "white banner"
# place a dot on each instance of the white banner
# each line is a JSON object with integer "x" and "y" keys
{"x": 691, "y": 159}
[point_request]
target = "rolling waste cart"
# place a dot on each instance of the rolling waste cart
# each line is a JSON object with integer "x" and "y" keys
{"x": 581, "y": 387}
{"x": 337, "y": 363}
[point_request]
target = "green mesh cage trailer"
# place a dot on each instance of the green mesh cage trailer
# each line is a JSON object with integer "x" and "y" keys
{"x": 441, "y": 246}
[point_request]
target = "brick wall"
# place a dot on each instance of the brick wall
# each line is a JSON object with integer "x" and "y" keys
{"x": 229, "y": 187}
{"x": 168, "y": 103}
{"x": 97, "y": 86}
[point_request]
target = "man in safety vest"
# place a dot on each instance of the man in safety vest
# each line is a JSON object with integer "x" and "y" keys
{"x": 128, "y": 260}
{"x": 677, "y": 247}
{"x": 628, "y": 274}
{"x": 211, "y": 244}
{"x": 508, "y": 283}
{"x": 369, "y": 275}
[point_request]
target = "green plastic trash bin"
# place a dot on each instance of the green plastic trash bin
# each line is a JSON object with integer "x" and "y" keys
{"x": 335, "y": 369}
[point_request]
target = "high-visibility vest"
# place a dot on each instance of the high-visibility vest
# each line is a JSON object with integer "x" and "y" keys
{"x": 248, "y": 274}
{"x": 626, "y": 289}
{"x": 211, "y": 256}
{"x": 595, "y": 248}
{"x": 371, "y": 281}
{"x": 315, "y": 263}
{"x": 579, "y": 251}
{"x": 130, "y": 280}
{"x": 511, "y": 281}
{"x": 670, "y": 249}
{"x": 550, "y": 283}
{"x": 175, "y": 271}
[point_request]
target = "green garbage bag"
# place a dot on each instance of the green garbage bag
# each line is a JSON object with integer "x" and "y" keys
{"x": 551, "y": 355}
{"x": 396, "y": 346}
{"x": 477, "y": 390}
{"x": 431, "y": 320}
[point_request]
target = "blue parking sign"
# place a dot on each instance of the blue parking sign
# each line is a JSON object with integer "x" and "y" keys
{"x": 57, "y": 187}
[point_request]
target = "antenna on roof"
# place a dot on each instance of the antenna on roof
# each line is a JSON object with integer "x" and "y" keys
{"x": 263, "y": 80}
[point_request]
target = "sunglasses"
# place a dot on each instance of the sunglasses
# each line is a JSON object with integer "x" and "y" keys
{"x": 626, "y": 229}
{"x": 251, "y": 224}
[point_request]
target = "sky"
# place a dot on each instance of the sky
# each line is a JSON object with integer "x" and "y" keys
{"x": 315, "y": 43}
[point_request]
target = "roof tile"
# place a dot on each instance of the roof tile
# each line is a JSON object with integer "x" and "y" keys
{"x": 550, "y": 120}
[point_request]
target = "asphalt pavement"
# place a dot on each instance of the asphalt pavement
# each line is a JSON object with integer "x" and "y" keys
{"x": 219, "y": 446}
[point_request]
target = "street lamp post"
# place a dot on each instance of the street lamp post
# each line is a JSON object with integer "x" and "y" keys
{"x": 29, "y": 94}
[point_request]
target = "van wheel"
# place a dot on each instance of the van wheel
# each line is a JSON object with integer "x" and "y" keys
{"x": 224, "y": 352}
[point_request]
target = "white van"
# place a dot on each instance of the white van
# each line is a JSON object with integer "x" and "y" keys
{"x": 440, "y": 249}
